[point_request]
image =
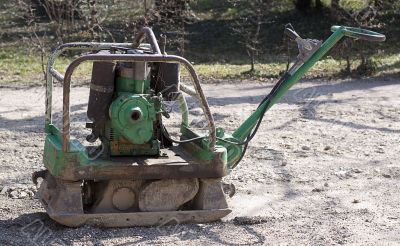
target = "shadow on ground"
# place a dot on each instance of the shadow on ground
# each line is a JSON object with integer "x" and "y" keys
{"x": 38, "y": 228}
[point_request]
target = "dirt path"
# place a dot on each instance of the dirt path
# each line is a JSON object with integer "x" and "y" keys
{"x": 323, "y": 170}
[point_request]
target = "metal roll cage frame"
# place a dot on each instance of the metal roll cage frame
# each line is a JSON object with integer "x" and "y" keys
{"x": 52, "y": 73}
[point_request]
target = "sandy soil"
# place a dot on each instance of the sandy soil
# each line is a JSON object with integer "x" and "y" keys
{"x": 323, "y": 170}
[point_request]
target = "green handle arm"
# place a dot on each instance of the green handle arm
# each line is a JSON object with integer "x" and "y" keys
{"x": 338, "y": 33}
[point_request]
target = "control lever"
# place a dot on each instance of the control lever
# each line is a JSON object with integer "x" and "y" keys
{"x": 296, "y": 37}
{"x": 307, "y": 47}
{"x": 299, "y": 40}
{"x": 291, "y": 33}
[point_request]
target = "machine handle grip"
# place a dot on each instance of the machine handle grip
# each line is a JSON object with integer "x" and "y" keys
{"x": 291, "y": 33}
{"x": 360, "y": 33}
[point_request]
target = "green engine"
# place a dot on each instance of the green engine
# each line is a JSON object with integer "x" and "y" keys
{"x": 125, "y": 106}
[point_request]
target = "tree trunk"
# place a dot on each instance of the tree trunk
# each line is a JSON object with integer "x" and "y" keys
{"x": 252, "y": 61}
{"x": 348, "y": 65}
{"x": 318, "y": 4}
{"x": 303, "y": 5}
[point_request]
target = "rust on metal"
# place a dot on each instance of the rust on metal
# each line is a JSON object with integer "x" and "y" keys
{"x": 151, "y": 38}
{"x": 178, "y": 165}
{"x": 64, "y": 201}
{"x": 51, "y": 72}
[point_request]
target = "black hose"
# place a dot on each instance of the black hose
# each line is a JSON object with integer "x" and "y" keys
{"x": 273, "y": 92}
{"x": 268, "y": 97}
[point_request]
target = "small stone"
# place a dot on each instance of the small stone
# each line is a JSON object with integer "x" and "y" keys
{"x": 356, "y": 170}
{"x": 327, "y": 148}
{"x": 326, "y": 184}
{"x": 287, "y": 146}
{"x": 305, "y": 148}
{"x": 14, "y": 194}
{"x": 303, "y": 155}
{"x": 317, "y": 190}
{"x": 229, "y": 189}
{"x": 23, "y": 194}
{"x": 356, "y": 201}
{"x": 4, "y": 190}
{"x": 343, "y": 174}
{"x": 388, "y": 176}
{"x": 284, "y": 163}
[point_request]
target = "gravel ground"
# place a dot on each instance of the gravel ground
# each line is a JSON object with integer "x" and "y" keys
{"x": 323, "y": 170}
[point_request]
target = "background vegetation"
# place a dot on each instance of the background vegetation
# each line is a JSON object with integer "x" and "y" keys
{"x": 224, "y": 39}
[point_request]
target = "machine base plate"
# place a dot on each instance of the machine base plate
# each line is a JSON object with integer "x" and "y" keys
{"x": 141, "y": 218}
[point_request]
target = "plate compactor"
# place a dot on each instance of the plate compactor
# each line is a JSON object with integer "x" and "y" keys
{"x": 139, "y": 175}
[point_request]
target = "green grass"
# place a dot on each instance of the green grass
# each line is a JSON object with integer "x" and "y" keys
{"x": 22, "y": 68}
{"x": 28, "y": 69}
{"x": 328, "y": 67}
{"x": 211, "y": 45}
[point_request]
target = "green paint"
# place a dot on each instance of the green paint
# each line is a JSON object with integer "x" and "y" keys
{"x": 233, "y": 151}
{"x": 55, "y": 160}
{"x": 133, "y": 86}
{"x": 133, "y": 116}
{"x": 200, "y": 149}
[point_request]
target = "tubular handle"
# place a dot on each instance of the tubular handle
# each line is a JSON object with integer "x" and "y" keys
{"x": 360, "y": 33}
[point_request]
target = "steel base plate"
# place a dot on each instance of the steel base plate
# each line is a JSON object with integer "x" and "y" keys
{"x": 140, "y": 218}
